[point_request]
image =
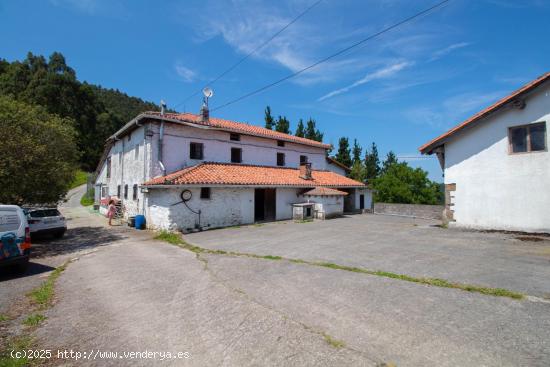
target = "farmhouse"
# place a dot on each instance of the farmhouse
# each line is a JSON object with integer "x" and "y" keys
{"x": 497, "y": 165}
{"x": 185, "y": 172}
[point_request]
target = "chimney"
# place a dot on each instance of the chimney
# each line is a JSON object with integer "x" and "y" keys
{"x": 305, "y": 171}
{"x": 205, "y": 114}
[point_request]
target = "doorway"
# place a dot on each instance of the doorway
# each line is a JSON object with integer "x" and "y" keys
{"x": 361, "y": 201}
{"x": 264, "y": 205}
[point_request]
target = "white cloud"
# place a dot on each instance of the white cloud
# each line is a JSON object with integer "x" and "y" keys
{"x": 447, "y": 50}
{"x": 186, "y": 74}
{"x": 383, "y": 73}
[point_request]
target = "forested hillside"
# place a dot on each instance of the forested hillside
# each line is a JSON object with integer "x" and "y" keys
{"x": 94, "y": 112}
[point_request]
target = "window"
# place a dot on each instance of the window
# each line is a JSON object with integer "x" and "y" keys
{"x": 125, "y": 191}
{"x": 196, "y": 151}
{"x": 104, "y": 191}
{"x": 235, "y": 137}
{"x": 134, "y": 191}
{"x": 129, "y": 136}
{"x": 280, "y": 143}
{"x": 303, "y": 159}
{"x": 527, "y": 138}
{"x": 118, "y": 191}
{"x": 109, "y": 167}
{"x": 205, "y": 192}
{"x": 136, "y": 151}
{"x": 236, "y": 155}
{"x": 280, "y": 159}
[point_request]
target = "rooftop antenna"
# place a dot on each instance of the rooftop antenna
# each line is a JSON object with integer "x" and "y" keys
{"x": 207, "y": 92}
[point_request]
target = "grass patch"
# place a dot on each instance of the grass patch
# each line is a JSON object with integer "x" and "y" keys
{"x": 34, "y": 320}
{"x": 304, "y": 221}
{"x": 170, "y": 237}
{"x": 271, "y": 257}
{"x": 87, "y": 199}
{"x": 3, "y": 318}
{"x": 80, "y": 178}
{"x": 43, "y": 295}
{"x": 333, "y": 342}
{"x": 16, "y": 344}
{"x": 258, "y": 225}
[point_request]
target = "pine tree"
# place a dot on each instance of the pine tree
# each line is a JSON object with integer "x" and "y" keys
{"x": 372, "y": 163}
{"x": 356, "y": 151}
{"x": 344, "y": 153}
{"x": 282, "y": 125}
{"x": 390, "y": 159}
{"x": 311, "y": 132}
{"x": 269, "y": 122}
{"x": 300, "y": 129}
{"x": 358, "y": 171}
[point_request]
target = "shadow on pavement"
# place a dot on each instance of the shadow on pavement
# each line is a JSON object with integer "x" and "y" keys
{"x": 33, "y": 269}
{"x": 75, "y": 239}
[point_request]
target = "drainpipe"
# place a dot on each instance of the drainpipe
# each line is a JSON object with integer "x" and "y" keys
{"x": 161, "y": 137}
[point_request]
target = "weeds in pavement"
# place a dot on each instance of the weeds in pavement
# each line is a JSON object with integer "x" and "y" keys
{"x": 43, "y": 295}
{"x": 3, "y": 318}
{"x": 34, "y": 319}
{"x": 436, "y": 282}
{"x": 17, "y": 344}
{"x": 333, "y": 342}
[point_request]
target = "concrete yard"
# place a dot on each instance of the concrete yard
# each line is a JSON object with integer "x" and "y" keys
{"x": 401, "y": 245}
{"x": 127, "y": 292}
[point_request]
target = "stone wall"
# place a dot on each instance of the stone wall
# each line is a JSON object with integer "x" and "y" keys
{"x": 410, "y": 210}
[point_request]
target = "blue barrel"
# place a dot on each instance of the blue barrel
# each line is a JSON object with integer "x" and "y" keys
{"x": 140, "y": 221}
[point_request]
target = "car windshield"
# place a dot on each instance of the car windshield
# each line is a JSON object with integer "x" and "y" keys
{"x": 44, "y": 213}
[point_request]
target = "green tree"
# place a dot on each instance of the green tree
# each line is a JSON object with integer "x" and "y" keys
{"x": 390, "y": 159}
{"x": 344, "y": 153}
{"x": 312, "y": 132}
{"x": 282, "y": 125}
{"x": 269, "y": 121}
{"x": 300, "y": 131}
{"x": 356, "y": 151}
{"x": 39, "y": 154}
{"x": 372, "y": 163}
{"x": 358, "y": 172}
{"x": 404, "y": 184}
{"x": 97, "y": 113}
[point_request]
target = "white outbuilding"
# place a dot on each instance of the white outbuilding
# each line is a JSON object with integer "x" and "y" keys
{"x": 497, "y": 165}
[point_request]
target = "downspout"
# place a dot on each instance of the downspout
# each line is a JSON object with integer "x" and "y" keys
{"x": 161, "y": 137}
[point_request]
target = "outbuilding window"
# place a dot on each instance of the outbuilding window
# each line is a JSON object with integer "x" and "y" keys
{"x": 303, "y": 159}
{"x": 205, "y": 192}
{"x": 134, "y": 191}
{"x": 280, "y": 159}
{"x": 118, "y": 191}
{"x": 236, "y": 155}
{"x": 109, "y": 167}
{"x": 280, "y": 143}
{"x": 527, "y": 138}
{"x": 235, "y": 137}
{"x": 196, "y": 151}
{"x": 125, "y": 191}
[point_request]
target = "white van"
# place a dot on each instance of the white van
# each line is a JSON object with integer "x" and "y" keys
{"x": 15, "y": 238}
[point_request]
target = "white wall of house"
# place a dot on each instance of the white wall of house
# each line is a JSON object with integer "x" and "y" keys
{"x": 285, "y": 197}
{"x": 332, "y": 206}
{"x": 495, "y": 189}
{"x": 226, "y": 207}
{"x": 335, "y": 168}
{"x": 217, "y": 148}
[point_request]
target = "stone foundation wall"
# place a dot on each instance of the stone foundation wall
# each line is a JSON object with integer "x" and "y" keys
{"x": 410, "y": 210}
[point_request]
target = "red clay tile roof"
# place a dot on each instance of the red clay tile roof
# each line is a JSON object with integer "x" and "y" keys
{"x": 239, "y": 127}
{"x": 325, "y": 191}
{"x": 248, "y": 175}
{"x": 428, "y": 147}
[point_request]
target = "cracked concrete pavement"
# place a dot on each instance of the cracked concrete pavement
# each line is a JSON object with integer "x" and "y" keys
{"x": 133, "y": 293}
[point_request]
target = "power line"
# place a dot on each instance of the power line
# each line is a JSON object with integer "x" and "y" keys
{"x": 385, "y": 30}
{"x": 231, "y": 68}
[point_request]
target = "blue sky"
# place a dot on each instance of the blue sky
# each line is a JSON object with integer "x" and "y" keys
{"x": 399, "y": 90}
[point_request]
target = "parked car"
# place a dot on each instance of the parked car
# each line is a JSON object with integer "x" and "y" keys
{"x": 46, "y": 221}
{"x": 15, "y": 238}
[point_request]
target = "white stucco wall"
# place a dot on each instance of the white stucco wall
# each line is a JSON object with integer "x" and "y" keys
{"x": 495, "y": 189}
{"x": 336, "y": 169}
{"x": 226, "y": 207}
{"x": 331, "y": 205}
{"x": 217, "y": 148}
{"x": 285, "y": 197}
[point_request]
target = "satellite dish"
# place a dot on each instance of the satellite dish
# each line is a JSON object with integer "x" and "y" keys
{"x": 186, "y": 195}
{"x": 208, "y": 92}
